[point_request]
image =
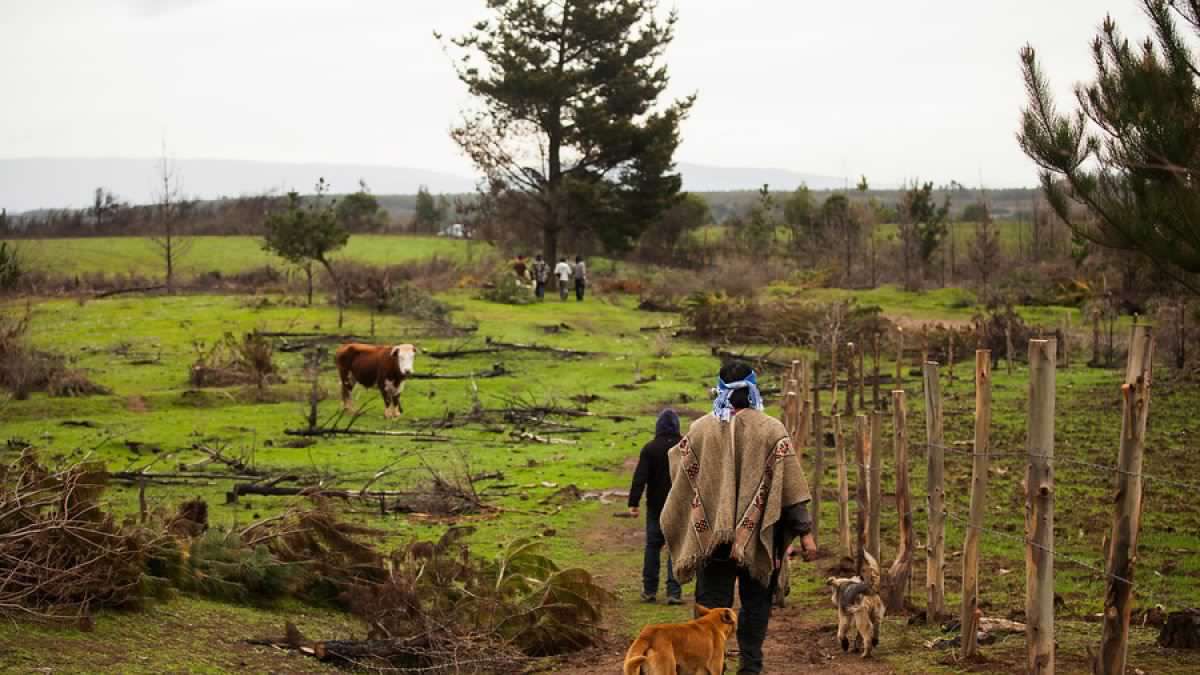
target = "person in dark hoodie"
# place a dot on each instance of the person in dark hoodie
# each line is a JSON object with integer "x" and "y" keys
{"x": 653, "y": 474}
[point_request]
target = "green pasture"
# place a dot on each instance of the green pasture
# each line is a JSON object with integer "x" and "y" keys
{"x": 139, "y": 256}
{"x": 142, "y": 349}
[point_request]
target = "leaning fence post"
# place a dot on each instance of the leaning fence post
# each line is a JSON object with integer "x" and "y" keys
{"x": 901, "y": 569}
{"x": 874, "y": 477}
{"x": 979, "y": 481}
{"x": 935, "y": 544}
{"x": 839, "y": 445}
{"x": 1127, "y": 517}
{"x": 1039, "y": 510}
{"x": 899, "y": 358}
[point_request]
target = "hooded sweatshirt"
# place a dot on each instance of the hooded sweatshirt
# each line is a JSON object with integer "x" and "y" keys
{"x": 653, "y": 473}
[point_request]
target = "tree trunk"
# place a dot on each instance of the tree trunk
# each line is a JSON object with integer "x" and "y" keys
{"x": 337, "y": 284}
{"x": 170, "y": 257}
{"x": 308, "y": 273}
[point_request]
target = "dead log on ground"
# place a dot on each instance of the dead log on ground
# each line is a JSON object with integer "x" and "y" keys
{"x": 498, "y": 370}
{"x": 762, "y": 359}
{"x": 496, "y": 346}
{"x": 123, "y": 291}
{"x": 415, "y": 435}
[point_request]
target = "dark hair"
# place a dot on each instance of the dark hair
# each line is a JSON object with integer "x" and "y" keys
{"x": 578, "y": 258}
{"x": 562, "y": 260}
{"x": 736, "y": 371}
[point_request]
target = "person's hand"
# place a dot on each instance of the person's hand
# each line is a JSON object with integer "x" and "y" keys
{"x": 633, "y": 511}
{"x": 808, "y": 547}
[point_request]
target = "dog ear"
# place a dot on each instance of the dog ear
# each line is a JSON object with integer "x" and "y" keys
{"x": 699, "y": 610}
{"x": 728, "y": 616}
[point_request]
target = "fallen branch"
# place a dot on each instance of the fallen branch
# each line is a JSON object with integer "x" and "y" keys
{"x": 762, "y": 359}
{"x": 235, "y": 464}
{"x": 415, "y": 435}
{"x": 122, "y": 291}
{"x": 526, "y": 436}
{"x": 137, "y": 476}
{"x": 498, "y": 370}
{"x": 496, "y": 346}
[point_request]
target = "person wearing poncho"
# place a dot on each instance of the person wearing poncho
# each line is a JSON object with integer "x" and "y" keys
{"x": 738, "y": 497}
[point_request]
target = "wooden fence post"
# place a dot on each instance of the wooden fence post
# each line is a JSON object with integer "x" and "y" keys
{"x": 875, "y": 386}
{"x": 1039, "y": 511}
{"x": 1096, "y": 337}
{"x": 979, "y": 481}
{"x": 1066, "y": 341}
{"x": 899, "y": 358}
{"x": 1008, "y": 345}
{"x": 1127, "y": 517}
{"x": 818, "y": 444}
{"x": 839, "y": 446}
{"x": 862, "y": 377}
{"x": 935, "y": 544}
{"x": 901, "y": 569}
{"x": 862, "y": 442}
{"x": 850, "y": 379}
{"x": 874, "y": 488}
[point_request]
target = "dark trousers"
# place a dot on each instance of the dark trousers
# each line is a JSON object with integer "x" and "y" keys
{"x": 650, "y": 563}
{"x": 562, "y": 290}
{"x": 539, "y": 290}
{"x": 580, "y": 284}
{"x": 714, "y": 588}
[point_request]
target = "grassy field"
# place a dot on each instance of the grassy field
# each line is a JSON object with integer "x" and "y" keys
{"x": 142, "y": 349}
{"x": 138, "y": 256}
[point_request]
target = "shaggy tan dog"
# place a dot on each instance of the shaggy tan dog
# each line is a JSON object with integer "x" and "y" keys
{"x": 860, "y": 609}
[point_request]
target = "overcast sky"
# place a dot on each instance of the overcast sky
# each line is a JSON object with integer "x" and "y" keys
{"x": 893, "y": 90}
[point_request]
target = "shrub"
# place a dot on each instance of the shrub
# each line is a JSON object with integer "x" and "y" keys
{"x": 505, "y": 288}
{"x": 231, "y": 361}
{"x": 10, "y": 267}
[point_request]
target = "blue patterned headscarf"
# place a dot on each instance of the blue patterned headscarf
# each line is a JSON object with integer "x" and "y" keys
{"x": 723, "y": 407}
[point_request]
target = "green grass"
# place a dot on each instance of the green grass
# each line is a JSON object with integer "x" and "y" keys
{"x": 139, "y": 256}
{"x": 153, "y": 404}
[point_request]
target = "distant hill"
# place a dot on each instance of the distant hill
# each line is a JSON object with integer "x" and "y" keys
{"x": 37, "y": 183}
{"x": 705, "y": 178}
{"x": 69, "y": 182}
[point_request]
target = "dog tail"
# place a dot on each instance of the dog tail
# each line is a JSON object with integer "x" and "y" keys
{"x": 871, "y": 572}
{"x": 634, "y": 666}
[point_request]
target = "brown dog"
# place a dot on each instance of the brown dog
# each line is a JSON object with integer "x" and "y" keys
{"x": 693, "y": 648}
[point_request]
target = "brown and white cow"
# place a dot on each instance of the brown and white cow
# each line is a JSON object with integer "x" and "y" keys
{"x": 385, "y": 366}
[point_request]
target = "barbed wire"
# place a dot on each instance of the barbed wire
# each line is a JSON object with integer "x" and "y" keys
{"x": 1026, "y": 541}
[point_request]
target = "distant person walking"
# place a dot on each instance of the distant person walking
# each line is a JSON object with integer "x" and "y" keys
{"x": 541, "y": 271}
{"x": 580, "y": 272}
{"x": 653, "y": 474}
{"x": 563, "y": 271}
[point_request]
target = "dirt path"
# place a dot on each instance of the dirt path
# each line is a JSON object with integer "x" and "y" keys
{"x": 796, "y": 643}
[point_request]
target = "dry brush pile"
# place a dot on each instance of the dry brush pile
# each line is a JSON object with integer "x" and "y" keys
{"x": 24, "y": 369}
{"x": 427, "y": 606}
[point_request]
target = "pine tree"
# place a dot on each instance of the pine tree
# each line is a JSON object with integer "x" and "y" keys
{"x": 1123, "y": 169}
{"x": 569, "y": 112}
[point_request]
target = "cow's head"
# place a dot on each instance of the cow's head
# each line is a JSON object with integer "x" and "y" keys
{"x": 404, "y": 356}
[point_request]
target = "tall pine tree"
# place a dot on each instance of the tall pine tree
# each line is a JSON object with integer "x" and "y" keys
{"x": 569, "y": 112}
{"x": 1130, "y": 155}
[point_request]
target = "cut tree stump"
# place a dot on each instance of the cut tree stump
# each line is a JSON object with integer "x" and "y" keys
{"x": 1181, "y": 631}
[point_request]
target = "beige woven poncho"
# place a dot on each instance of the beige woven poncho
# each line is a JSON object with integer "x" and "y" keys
{"x": 729, "y": 483}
